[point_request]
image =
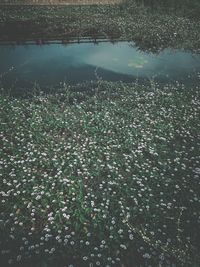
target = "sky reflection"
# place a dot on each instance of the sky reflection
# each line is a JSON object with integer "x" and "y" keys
{"x": 55, "y": 63}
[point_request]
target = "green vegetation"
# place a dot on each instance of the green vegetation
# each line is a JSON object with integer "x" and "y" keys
{"x": 104, "y": 177}
{"x": 102, "y": 173}
{"x": 150, "y": 28}
{"x": 181, "y": 7}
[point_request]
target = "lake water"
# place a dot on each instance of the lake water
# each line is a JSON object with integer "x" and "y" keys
{"x": 50, "y": 65}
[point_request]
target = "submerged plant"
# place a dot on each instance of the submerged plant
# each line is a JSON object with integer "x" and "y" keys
{"x": 137, "y": 63}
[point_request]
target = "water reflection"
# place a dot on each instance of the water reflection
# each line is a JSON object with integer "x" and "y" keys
{"x": 49, "y": 65}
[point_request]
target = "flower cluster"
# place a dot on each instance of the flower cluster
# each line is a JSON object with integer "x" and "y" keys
{"x": 107, "y": 181}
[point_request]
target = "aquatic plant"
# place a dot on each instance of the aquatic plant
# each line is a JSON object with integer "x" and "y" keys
{"x": 104, "y": 177}
{"x": 137, "y": 63}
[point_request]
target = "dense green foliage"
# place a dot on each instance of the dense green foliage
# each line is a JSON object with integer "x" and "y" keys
{"x": 107, "y": 178}
{"x": 101, "y": 173}
{"x": 150, "y": 28}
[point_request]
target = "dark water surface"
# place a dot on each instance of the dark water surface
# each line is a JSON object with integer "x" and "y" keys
{"x": 50, "y": 65}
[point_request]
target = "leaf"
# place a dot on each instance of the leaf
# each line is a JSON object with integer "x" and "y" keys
{"x": 93, "y": 216}
{"x": 137, "y": 63}
{"x": 85, "y": 230}
{"x": 18, "y": 211}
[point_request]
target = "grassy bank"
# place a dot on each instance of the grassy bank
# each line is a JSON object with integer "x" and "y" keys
{"x": 151, "y": 29}
{"x": 105, "y": 178}
{"x": 59, "y": 2}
